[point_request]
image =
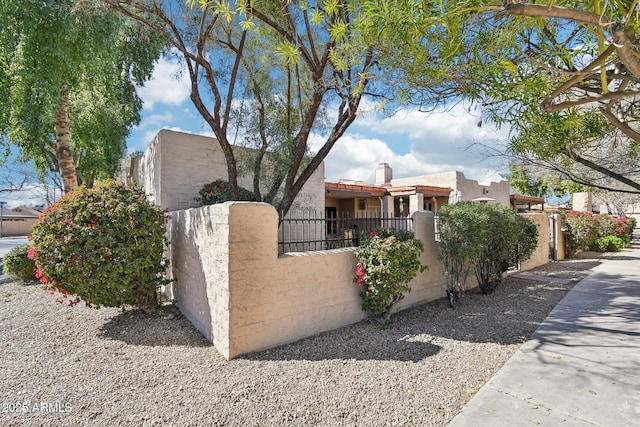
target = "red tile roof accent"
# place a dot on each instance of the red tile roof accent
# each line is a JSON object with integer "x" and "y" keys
{"x": 381, "y": 191}
{"x": 352, "y": 187}
{"x": 521, "y": 198}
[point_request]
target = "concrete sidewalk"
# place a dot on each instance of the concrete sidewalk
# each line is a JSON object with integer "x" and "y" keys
{"x": 581, "y": 367}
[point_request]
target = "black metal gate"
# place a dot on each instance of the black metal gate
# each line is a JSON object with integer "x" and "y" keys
{"x": 553, "y": 238}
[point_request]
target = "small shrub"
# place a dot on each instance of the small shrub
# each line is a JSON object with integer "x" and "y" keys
{"x": 103, "y": 245}
{"x": 582, "y": 231}
{"x": 218, "y": 192}
{"x": 17, "y": 264}
{"x": 586, "y": 231}
{"x": 387, "y": 262}
{"x": 606, "y": 225}
{"x": 486, "y": 238}
{"x": 624, "y": 229}
{"x": 608, "y": 244}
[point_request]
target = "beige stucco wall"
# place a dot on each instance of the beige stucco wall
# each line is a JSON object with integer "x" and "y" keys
{"x": 541, "y": 253}
{"x": 560, "y": 237}
{"x": 234, "y": 288}
{"x": 470, "y": 189}
{"x": 176, "y": 165}
{"x": 243, "y": 297}
{"x": 17, "y": 227}
{"x": 582, "y": 202}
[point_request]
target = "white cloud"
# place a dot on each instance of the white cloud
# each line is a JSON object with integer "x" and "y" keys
{"x": 157, "y": 119}
{"x": 353, "y": 157}
{"x": 168, "y": 85}
{"x": 412, "y": 142}
{"x": 416, "y": 143}
{"x": 31, "y": 195}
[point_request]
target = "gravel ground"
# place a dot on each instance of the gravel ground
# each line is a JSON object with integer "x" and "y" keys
{"x": 80, "y": 366}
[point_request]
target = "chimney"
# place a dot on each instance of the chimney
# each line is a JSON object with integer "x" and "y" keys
{"x": 384, "y": 174}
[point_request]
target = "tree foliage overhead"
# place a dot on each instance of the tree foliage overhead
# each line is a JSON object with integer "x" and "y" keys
{"x": 296, "y": 62}
{"x": 562, "y": 74}
{"x": 68, "y": 86}
{"x": 535, "y": 177}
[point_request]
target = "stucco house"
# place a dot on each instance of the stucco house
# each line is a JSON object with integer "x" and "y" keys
{"x": 232, "y": 280}
{"x": 176, "y": 165}
{"x": 401, "y": 197}
{"x": 17, "y": 221}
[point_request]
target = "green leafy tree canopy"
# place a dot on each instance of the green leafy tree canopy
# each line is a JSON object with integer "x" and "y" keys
{"x": 69, "y": 84}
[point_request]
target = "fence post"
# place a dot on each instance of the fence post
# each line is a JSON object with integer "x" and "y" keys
{"x": 424, "y": 226}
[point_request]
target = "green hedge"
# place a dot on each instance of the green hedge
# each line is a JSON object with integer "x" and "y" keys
{"x": 603, "y": 233}
{"x": 484, "y": 238}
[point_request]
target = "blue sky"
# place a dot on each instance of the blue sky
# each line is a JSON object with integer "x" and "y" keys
{"x": 413, "y": 143}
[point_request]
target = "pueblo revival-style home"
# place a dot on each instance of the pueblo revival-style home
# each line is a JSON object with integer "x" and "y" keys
{"x": 401, "y": 197}
{"x": 176, "y": 165}
{"x": 244, "y": 287}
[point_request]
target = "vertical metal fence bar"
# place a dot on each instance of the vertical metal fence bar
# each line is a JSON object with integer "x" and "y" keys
{"x": 305, "y": 230}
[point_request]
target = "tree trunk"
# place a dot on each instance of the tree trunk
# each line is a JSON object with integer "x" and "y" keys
{"x": 64, "y": 155}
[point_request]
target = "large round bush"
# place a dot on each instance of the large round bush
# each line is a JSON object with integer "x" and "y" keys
{"x": 103, "y": 245}
{"x": 485, "y": 237}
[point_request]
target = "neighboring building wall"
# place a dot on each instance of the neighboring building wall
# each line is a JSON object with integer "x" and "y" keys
{"x": 17, "y": 226}
{"x": 234, "y": 288}
{"x": 176, "y": 165}
{"x": 582, "y": 202}
{"x": 540, "y": 255}
{"x": 470, "y": 189}
{"x": 18, "y": 221}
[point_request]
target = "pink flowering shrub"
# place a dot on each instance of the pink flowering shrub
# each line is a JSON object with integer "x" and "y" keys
{"x": 104, "y": 246}
{"x": 387, "y": 262}
{"x": 582, "y": 232}
{"x": 624, "y": 229}
{"x": 603, "y": 233}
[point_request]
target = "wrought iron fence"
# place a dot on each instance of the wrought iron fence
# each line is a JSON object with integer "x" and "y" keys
{"x": 307, "y": 231}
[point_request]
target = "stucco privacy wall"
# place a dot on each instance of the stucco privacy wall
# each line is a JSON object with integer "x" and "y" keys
{"x": 540, "y": 255}
{"x": 559, "y": 235}
{"x": 176, "y": 165}
{"x": 234, "y": 288}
